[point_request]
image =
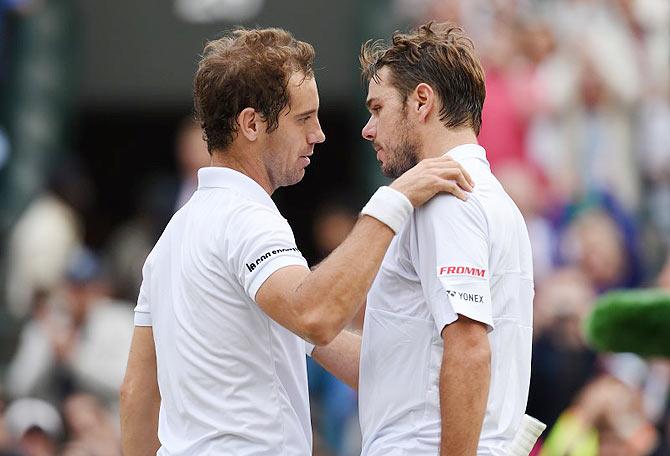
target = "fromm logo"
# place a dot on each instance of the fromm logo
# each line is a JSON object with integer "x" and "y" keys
{"x": 461, "y": 270}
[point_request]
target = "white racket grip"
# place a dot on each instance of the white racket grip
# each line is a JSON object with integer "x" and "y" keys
{"x": 526, "y": 436}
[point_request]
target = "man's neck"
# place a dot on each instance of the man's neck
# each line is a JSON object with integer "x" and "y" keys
{"x": 250, "y": 168}
{"x": 444, "y": 140}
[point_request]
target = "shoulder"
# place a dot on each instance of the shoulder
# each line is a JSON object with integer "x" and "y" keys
{"x": 249, "y": 215}
{"x": 451, "y": 210}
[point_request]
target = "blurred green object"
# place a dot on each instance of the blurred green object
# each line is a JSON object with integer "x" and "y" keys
{"x": 570, "y": 437}
{"x": 634, "y": 321}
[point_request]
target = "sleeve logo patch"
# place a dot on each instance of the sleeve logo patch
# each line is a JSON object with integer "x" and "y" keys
{"x": 266, "y": 255}
{"x": 461, "y": 270}
{"x": 467, "y": 297}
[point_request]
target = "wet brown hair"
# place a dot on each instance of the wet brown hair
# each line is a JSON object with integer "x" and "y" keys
{"x": 246, "y": 69}
{"x": 440, "y": 55}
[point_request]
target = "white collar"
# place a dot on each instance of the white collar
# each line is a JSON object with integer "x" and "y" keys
{"x": 468, "y": 151}
{"x": 220, "y": 177}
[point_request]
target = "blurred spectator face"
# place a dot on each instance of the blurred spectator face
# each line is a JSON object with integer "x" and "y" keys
{"x": 83, "y": 413}
{"x": 616, "y": 411}
{"x": 80, "y": 297}
{"x": 596, "y": 245}
{"x": 91, "y": 430}
{"x": 36, "y": 442}
{"x": 538, "y": 41}
{"x": 331, "y": 228}
{"x": 592, "y": 85}
{"x": 501, "y": 47}
{"x": 84, "y": 283}
{"x": 522, "y": 185}
{"x": 562, "y": 302}
{"x": 389, "y": 129}
{"x": 191, "y": 150}
{"x": 445, "y": 10}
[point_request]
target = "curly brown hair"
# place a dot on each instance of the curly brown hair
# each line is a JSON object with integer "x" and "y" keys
{"x": 440, "y": 55}
{"x": 246, "y": 69}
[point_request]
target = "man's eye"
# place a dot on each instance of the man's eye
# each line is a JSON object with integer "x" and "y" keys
{"x": 305, "y": 119}
{"x": 376, "y": 109}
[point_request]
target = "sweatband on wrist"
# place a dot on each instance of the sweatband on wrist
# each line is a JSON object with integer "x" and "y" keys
{"x": 390, "y": 207}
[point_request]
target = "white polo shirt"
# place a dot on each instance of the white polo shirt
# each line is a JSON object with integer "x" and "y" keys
{"x": 452, "y": 257}
{"x": 232, "y": 381}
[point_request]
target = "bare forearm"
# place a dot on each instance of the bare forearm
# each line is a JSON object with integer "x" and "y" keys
{"x": 334, "y": 291}
{"x": 140, "y": 397}
{"x": 139, "y": 424}
{"x": 464, "y": 384}
{"x": 341, "y": 357}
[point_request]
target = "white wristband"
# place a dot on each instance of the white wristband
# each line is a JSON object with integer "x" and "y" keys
{"x": 390, "y": 207}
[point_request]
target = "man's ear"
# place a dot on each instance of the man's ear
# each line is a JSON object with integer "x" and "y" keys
{"x": 249, "y": 123}
{"x": 424, "y": 100}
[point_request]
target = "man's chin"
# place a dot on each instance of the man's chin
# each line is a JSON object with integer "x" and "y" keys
{"x": 292, "y": 180}
{"x": 388, "y": 171}
{"x": 298, "y": 177}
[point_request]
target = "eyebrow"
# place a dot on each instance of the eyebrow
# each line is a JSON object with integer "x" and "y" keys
{"x": 306, "y": 113}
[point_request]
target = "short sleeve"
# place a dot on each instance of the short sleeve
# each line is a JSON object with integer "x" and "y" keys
{"x": 260, "y": 243}
{"x": 143, "y": 307}
{"x": 452, "y": 260}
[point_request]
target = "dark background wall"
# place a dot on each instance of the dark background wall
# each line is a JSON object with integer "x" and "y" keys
{"x": 134, "y": 91}
{"x": 137, "y": 53}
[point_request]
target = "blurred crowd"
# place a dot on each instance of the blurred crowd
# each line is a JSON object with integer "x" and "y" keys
{"x": 577, "y": 128}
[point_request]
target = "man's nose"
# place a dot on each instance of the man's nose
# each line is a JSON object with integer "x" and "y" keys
{"x": 369, "y": 130}
{"x": 317, "y": 136}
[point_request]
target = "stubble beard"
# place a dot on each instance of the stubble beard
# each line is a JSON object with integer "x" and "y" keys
{"x": 281, "y": 170}
{"x": 405, "y": 155}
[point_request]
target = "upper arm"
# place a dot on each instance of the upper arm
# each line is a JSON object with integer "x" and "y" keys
{"x": 465, "y": 335}
{"x": 274, "y": 296}
{"x": 453, "y": 260}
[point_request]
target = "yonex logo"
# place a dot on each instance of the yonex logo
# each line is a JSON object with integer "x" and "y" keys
{"x": 467, "y": 297}
{"x": 461, "y": 270}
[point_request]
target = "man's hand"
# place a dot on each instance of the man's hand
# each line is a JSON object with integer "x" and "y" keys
{"x": 431, "y": 176}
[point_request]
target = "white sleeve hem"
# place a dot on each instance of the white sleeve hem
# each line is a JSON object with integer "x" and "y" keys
{"x": 142, "y": 318}
{"x": 269, "y": 268}
{"x": 442, "y": 324}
